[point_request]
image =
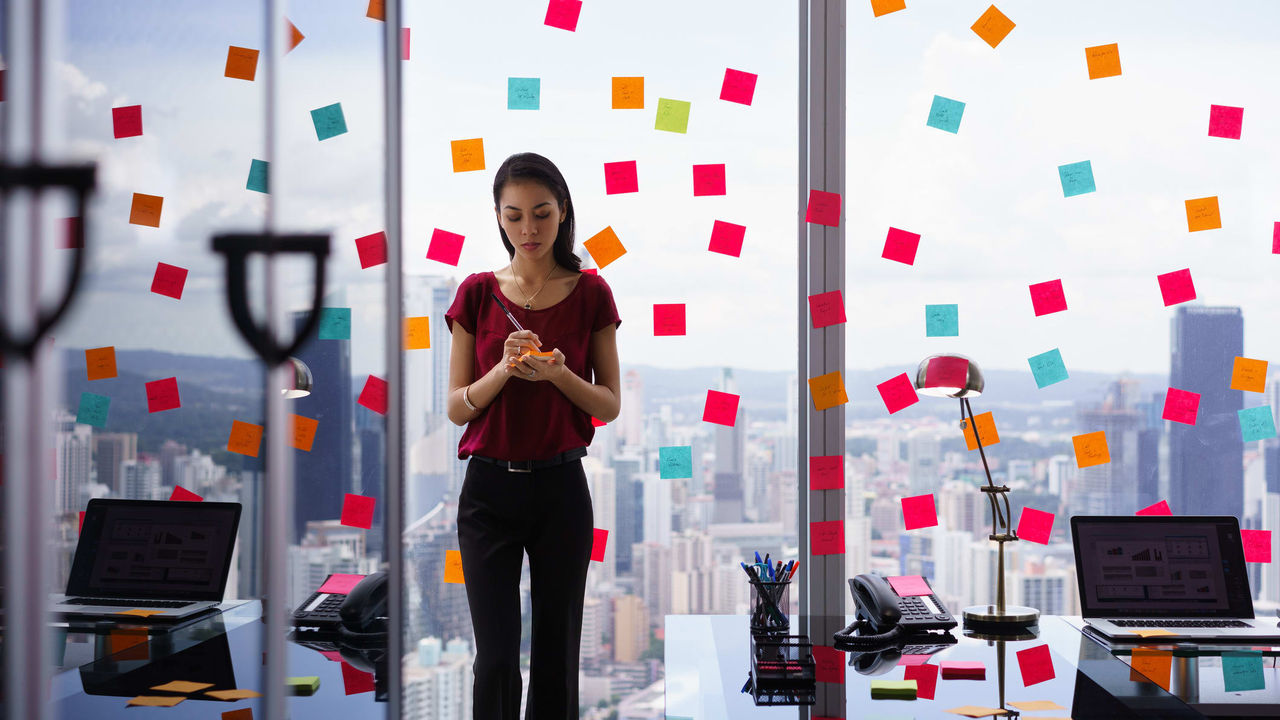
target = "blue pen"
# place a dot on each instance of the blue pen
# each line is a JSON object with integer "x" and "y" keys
{"x": 758, "y": 560}
{"x": 787, "y": 573}
{"x": 770, "y": 569}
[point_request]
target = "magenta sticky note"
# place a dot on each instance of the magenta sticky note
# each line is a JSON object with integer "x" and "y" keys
{"x": 182, "y": 494}
{"x": 826, "y": 472}
{"x": 1160, "y": 508}
{"x": 946, "y": 372}
{"x": 829, "y": 664}
{"x": 1047, "y": 297}
{"x": 910, "y": 660}
{"x": 374, "y": 395}
{"x": 404, "y": 43}
{"x": 720, "y": 408}
{"x": 163, "y": 395}
{"x": 738, "y": 86}
{"x": 919, "y": 511}
{"x": 372, "y": 249}
{"x": 169, "y": 280}
{"x": 898, "y": 393}
{"x": 340, "y": 583}
{"x": 621, "y": 177}
{"x": 823, "y": 208}
{"x": 963, "y": 670}
{"x": 1225, "y": 121}
{"x": 599, "y": 538}
{"x": 726, "y": 238}
{"x": 900, "y": 246}
{"x": 1275, "y": 239}
{"x": 563, "y": 14}
{"x": 126, "y": 121}
{"x": 1181, "y": 406}
{"x": 334, "y": 655}
{"x": 1257, "y": 545}
{"x": 1036, "y": 665}
{"x": 1176, "y": 287}
{"x": 826, "y": 309}
{"x": 910, "y": 585}
{"x": 926, "y": 677}
{"x": 1035, "y": 525}
{"x": 668, "y": 319}
{"x": 445, "y": 247}
{"x": 357, "y": 511}
{"x": 826, "y": 537}
{"x": 356, "y": 681}
{"x": 708, "y": 179}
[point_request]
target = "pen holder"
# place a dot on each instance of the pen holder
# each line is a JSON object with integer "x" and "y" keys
{"x": 770, "y": 606}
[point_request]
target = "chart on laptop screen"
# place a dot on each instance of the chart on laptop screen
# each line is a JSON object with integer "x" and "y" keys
{"x": 145, "y": 551}
{"x": 1150, "y": 569}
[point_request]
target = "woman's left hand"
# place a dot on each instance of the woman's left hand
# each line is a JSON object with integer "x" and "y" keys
{"x": 545, "y": 368}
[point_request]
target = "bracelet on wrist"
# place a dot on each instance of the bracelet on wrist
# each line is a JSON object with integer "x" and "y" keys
{"x": 466, "y": 399}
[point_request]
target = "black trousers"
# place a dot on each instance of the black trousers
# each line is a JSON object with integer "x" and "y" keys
{"x": 502, "y": 515}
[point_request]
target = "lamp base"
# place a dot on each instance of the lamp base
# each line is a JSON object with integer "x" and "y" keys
{"x": 988, "y": 618}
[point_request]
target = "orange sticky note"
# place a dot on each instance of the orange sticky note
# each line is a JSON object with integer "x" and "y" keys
{"x": 241, "y": 714}
{"x": 141, "y": 612}
{"x": 977, "y": 711}
{"x": 242, "y": 63}
{"x": 986, "y": 431}
{"x": 1151, "y": 665}
{"x": 468, "y": 155}
{"x": 129, "y": 644}
{"x": 1152, "y": 632}
{"x": 377, "y": 10}
{"x": 245, "y": 439}
{"x": 605, "y": 247}
{"x": 1104, "y": 60}
{"x": 304, "y": 432}
{"x": 155, "y": 701}
{"x": 1246, "y": 374}
{"x": 145, "y": 210}
{"x": 182, "y": 686}
{"x": 295, "y": 35}
{"x": 993, "y": 26}
{"x": 884, "y": 7}
{"x": 628, "y": 93}
{"x": 1202, "y": 214}
{"x": 100, "y": 363}
{"x": 233, "y": 694}
{"x": 828, "y": 391}
{"x": 1091, "y": 449}
{"x": 453, "y": 567}
{"x": 417, "y": 333}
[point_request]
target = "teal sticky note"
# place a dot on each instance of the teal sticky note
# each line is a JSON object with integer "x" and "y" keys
{"x": 1077, "y": 178}
{"x": 1242, "y": 670}
{"x": 675, "y": 462}
{"x": 1256, "y": 423}
{"x": 673, "y": 115}
{"x": 335, "y": 323}
{"x": 945, "y": 114}
{"x": 941, "y": 320}
{"x": 1048, "y": 368}
{"x": 257, "y": 176}
{"x": 524, "y": 93}
{"x": 93, "y": 409}
{"x": 329, "y": 121}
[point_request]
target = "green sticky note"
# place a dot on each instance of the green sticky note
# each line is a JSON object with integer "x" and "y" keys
{"x": 93, "y": 409}
{"x": 307, "y": 685}
{"x": 1256, "y": 423}
{"x": 675, "y": 462}
{"x": 1242, "y": 670}
{"x": 673, "y": 115}
{"x": 1048, "y": 368}
{"x": 335, "y": 323}
{"x": 893, "y": 689}
{"x": 524, "y": 93}
{"x": 257, "y": 176}
{"x": 941, "y": 320}
{"x": 329, "y": 121}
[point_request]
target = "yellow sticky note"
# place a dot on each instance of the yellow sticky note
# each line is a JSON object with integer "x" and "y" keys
{"x": 828, "y": 391}
{"x": 453, "y": 567}
{"x": 605, "y": 247}
{"x": 417, "y": 333}
{"x": 155, "y": 701}
{"x": 242, "y": 63}
{"x": 141, "y": 612}
{"x": 1202, "y": 214}
{"x": 993, "y": 26}
{"x": 304, "y": 432}
{"x": 1036, "y": 705}
{"x": 182, "y": 686}
{"x": 1249, "y": 374}
{"x": 975, "y": 711}
{"x": 1091, "y": 449}
{"x": 233, "y": 694}
{"x": 468, "y": 155}
{"x": 100, "y": 363}
{"x": 1153, "y": 632}
{"x": 245, "y": 439}
{"x": 1104, "y": 60}
{"x": 884, "y": 7}
{"x": 145, "y": 210}
{"x": 1153, "y": 665}
{"x": 628, "y": 93}
{"x": 986, "y": 431}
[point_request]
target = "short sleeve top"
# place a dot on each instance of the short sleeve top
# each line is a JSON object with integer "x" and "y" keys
{"x": 531, "y": 420}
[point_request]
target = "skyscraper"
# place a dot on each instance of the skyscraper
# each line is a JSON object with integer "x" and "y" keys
{"x": 1111, "y": 488}
{"x": 729, "y": 461}
{"x": 109, "y": 450}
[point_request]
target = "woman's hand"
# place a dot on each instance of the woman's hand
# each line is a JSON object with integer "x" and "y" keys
{"x": 516, "y": 344}
{"x": 548, "y": 368}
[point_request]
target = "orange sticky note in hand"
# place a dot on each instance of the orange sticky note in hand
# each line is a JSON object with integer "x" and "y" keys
{"x": 1103, "y": 60}
{"x": 993, "y": 27}
{"x": 304, "y": 432}
{"x": 1202, "y": 214}
{"x": 828, "y": 391}
{"x": 453, "y": 567}
{"x": 100, "y": 363}
{"x": 242, "y": 63}
{"x": 1091, "y": 449}
{"x": 986, "y": 431}
{"x": 605, "y": 247}
{"x": 1246, "y": 374}
{"x": 245, "y": 439}
{"x": 145, "y": 210}
{"x": 417, "y": 333}
{"x": 468, "y": 155}
{"x": 628, "y": 93}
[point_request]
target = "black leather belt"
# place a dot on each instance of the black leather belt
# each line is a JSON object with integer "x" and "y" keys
{"x": 531, "y": 465}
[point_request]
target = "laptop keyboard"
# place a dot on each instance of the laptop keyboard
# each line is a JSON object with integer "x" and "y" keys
{"x": 130, "y": 603}
{"x": 1182, "y": 623}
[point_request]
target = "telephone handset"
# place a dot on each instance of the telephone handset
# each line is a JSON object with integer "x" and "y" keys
{"x": 884, "y": 616}
{"x": 359, "y": 617}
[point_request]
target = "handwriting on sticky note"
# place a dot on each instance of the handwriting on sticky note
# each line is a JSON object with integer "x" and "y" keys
{"x": 1176, "y": 287}
{"x": 675, "y": 462}
{"x": 1103, "y": 60}
{"x": 621, "y": 177}
{"x": 1035, "y": 525}
{"x": 919, "y": 511}
{"x": 340, "y": 583}
{"x": 1225, "y": 121}
{"x": 445, "y": 247}
{"x": 1036, "y": 664}
{"x": 357, "y": 511}
{"x": 453, "y": 567}
{"x": 304, "y": 432}
{"x": 605, "y": 247}
{"x": 1047, "y": 297}
{"x": 826, "y": 537}
{"x": 926, "y": 677}
{"x": 897, "y": 393}
{"x": 374, "y": 395}
{"x": 417, "y": 333}
{"x": 162, "y": 395}
{"x": 1091, "y": 449}
{"x": 1247, "y": 374}
{"x": 668, "y": 319}
{"x": 827, "y": 391}
{"x": 720, "y": 408}
{"x": 468, "y": 155}
{"x": 258, "y": 176}
{"x": 738, "y": 86}
{"x": 987, "y": 433}
{"x": 941, "y": 320}
{"x": 901, "y": 246}
{"x": 245, "y": 438}
{"x": 372, "y": 249}
{"x": 126, "y": 121}
{"x": 1257, "y": 423}
{"x": 673, "y": 115}
{"x": 242, "y": 63}
{"x": 1242, "y": 671}
{"x": 93, "y": 409}
{"x": 829, "y": 664}
{"x": 335, "y": 323}
{"x": 1181, "y": 406}
{"x": 826, "y": 309}
{"x": 823, "y": 208}
{"x": 1160, "y": 508}
{"x": 599, "y": 541}
{"x": 910, "y": 585}
{"x": 145, "y": 210}
{"x": 1202, "y": 214}
{"x": 329, "y": 122}
{"x": 1048, "y": 368}
{"x": 169, "y": 280}
{"x": 708, "y": 180}
{"x": 726, "y": 238}
{"x": 945, "y": 114}
{"x": 524, "y": 93}
{"x": 826, "y": 472}
{"x": 1076, "y": 178}
{"x": 1151, "y": 665}
{"x": 628, "y": 93}
{"x": 993, "y": 26}
{"x": 1257, "y": 545}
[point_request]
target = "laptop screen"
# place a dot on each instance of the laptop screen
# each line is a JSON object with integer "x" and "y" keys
{"x": 154, "y": 549}
{"x": 1160, "y": 566}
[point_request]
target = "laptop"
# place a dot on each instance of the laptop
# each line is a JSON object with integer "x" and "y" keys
{"x": 171, "y": 557}
{"x": 1183, "y": 575}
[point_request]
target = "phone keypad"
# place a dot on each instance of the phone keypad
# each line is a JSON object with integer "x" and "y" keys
{"x": 326, "y": 610}
{"x": 914, "y": 608}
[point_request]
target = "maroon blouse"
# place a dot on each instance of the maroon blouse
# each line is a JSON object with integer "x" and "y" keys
{"x": 530, "y": 420}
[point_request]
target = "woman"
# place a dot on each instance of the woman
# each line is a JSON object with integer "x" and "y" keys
{"x": 528, "y": 421}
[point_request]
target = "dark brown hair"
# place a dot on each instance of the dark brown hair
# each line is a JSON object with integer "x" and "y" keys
{"x": 532, "y": 167}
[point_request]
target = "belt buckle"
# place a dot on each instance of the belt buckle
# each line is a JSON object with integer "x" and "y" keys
{"x": 511, "y": 466}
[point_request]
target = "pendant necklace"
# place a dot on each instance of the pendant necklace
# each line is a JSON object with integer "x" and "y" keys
{"x": 528, "y": 299}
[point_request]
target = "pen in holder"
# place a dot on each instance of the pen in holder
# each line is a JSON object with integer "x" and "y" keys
{"x": 770, "y": 605}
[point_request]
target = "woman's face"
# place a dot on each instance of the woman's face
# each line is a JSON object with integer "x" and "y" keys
{"x": 528, "y": 212}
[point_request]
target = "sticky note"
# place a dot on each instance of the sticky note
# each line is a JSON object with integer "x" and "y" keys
{"x": 708, "y": 180}
{"x": 329, "y": 121}
{"x": 894, "y": 689}
{"x": 453, "y": 567}
{"x": 304, "y": 432}
{"x": 1076, "y": 178}
{"x": 1091, "y": 449}
{"x": 163, "y": 395}
{"x": 1152, "y": 632}
{"x": 1202, "y": 214}
{"x": 1103, "y": 60}
{"x": 445, "y": 247}
{"x": 563, "y": 14}
{"x": 468, "y": 155}
{"x": 242, "y": 63}
{"x": 1275, "y": 239}
{"x": 80, "y": 526}
{"x": 1224, "y": 121}
{"x": 963, "y": 670}
{"x": 668, "y": 319}
{"x": 93, "y": 409}
{"x": 675, "y": 462}
{"x": 524, "y": 93}
{"x": 1048, "y": 368}
{"x": 1047, "y": 297}
{"x": 987, "y": 433}
{"x": 597, "y": 422}
{"x": 1036, "y": 664}
{"x": 1256, "y": 423}
{"x": 357, "y": 511}
{"x": 1257, "y": 545}
{"x": 993, "y": 26}
{"x": 628, "y": 93}
{"x": 726, "y": 238}
{"x": 145, "y": 210}
{"x": 257, "y": 176}
{"x": 295, "y": 35}
{"x": 975, "y": 711}
{"x": 181, "y": 494}
{"x": 720, "y": 408}
{"x": 599, "y": 541}
{"x": 910, "y": 585}
{"x": 900, "y": 246}
{"x": 884, "y": 7}
{"x": 945, "y": 114}
{"x": 621, "y": 177}
{"x": 909, "y": 659}
{"x": 823, "y": 208}
{"x": 1037, "y": 705}
{"x": 155, "y": 701}
{"x": 1246, "y": 374}
{"x": 169, "y": 280}
{"x": 404, "y": 43}
{"x": 1176, "y": 287}
{"x": 826, "y": 309}
{"x": 1146, "y": 664}
{"x": 1242, "y": 670}
{"x": 245, "y": 438}
{"x": 340, "y": 583}
{"x": 826, "y": 537}
{"x": 919, "y": 511}
{"x": 302, "y": 686}
{"x": 238, "y": 694}
{"x": 926, "y": 677}
{"x": 1160, "y": 508}
{"x": 141, "y": 612}
{"x": 72, "y": 235}
{"x": 335, "y": 323}
{"x": 135, "y": 639}
{"x": 827, "y": 391}
{"x": 829, "y": 664}
{"x": 1181, "y": 406}
{"x": 417, "y": 333}
{"x": 898, "y": 393}
{"x": 126, "y": 121}
{"x": 605, "y": 247}
{"x": 826, "y": 472}
{"x": 372, "y": 249}
{"x": 1035, "y": 525}
{"x": 374, "y": 394}
{"x": 673, "y": 115}
{"x": 946, "y": 372}
{"x": 941, "y": 320}
{"x": 738, "y": 86}
{"x": 182, "y": 686}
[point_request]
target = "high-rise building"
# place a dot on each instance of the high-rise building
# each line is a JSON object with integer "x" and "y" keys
{"x": 924, "y": 450}
{"x": 629, "y": 518}
{"x": 109, "y": 450}
{"x": 141, "y": 479}
{"x": 1111, "y": 488}
{"x": 630, "y": 629}
{"x": 630, "y": 422}
{"x": 729, "y": 460}
{"x": 657, "y": 509}
{"x": 73, "y": 449}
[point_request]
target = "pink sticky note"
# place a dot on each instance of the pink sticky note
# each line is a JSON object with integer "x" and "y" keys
{"x": 1257, "y": 545}
{"x": 726, "y": 238}
{"x": 721, "y": 408}
{"x": 356, "y": 681}
{"x": 738, "y": 86}
{"x": 919, "y": 511}
{"x": 898, "y": 393}
{"x": 963, "y": 670}
{"x": 946, "y": 371}
{"x": 1035, "y": 525}
{"x": 926, "y": 677}
{"x": 1275, "y": 239}
{"x": 334, "y": 655}
{"x": 668, "y": 319}
{"x": 563, "y": 14}
{"x": 901, "y": 246}
{"x": 599, "y": 538}
{"x": 708, "y": 180}
{"x": 340, "y": 583}
{"x": 591, "y": 271}
{"x": 80, "y": 528}
{"x": 374, "y": 395}
{"x": 445, "y": 247}
{"x": 404, "y": 43}
{"x": 829, "y": 664}
{"x": 1047, "y": 297}
{"x": 1160, "y": 508}
{"x": 910, "y": 660}
{"x": 910, "y": 585}
{"x": 357, "y": 511}
{"x": 826, "y": 472}
{"x": 826, "y": 309}
{"x": 1181, "y": 406}
{"x": 1036, "y": 665}
{"x": 372, "y": 249}
{"x": 826, "y": 537}
{"x": 1225, "y": 121}
{"x": 169, "y": 280}
{"x": 823, "y": 209}
{"x": 127, "y": 121}
{"x": 181, "y": 493}
{"x": 1176, "y": 287}
{"x": 597, "y": 422}
{"x": 621, "y": 177}
{"x": 163, "y": 395}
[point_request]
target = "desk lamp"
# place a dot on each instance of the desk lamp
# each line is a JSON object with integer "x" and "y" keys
{"x": 956, "y": 376}
{"x": 302, "y": 381}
